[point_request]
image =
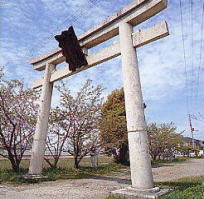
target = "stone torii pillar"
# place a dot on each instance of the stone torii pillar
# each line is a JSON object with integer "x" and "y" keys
{"x": 140, "y": 163}
{"x": 40, "y": 136}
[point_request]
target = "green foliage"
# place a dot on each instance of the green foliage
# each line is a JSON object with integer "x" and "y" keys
{"x": 176, "y": 160}
{"x": 164, "y": 140}
{"x": 186, "y": 150}
{"x": 113, "y": 130}
{"x": 18, "y": 177}
{"x": 83, "y": 172}
{"x": 187, "y": 188}
{"x": 12, "y": 176}
{"x": 113, "y": 124}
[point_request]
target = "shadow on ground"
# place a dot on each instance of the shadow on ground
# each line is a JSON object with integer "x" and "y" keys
{"x": 111, "y": 178}
{"x": 157, "y": 165}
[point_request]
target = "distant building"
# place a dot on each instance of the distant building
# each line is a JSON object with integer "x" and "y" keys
{"x": 199, "y": 146}
{"x": 202, "y": 144}
{"x": 189, "y": 142}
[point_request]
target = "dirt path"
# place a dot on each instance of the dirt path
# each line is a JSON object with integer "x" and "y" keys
{"x": 100, "y": 187}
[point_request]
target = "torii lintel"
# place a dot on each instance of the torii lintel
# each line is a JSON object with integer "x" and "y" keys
{"x": 134, "y": 14}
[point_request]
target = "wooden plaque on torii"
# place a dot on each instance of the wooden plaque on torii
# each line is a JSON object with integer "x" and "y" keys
{"x": 71, "y": 49}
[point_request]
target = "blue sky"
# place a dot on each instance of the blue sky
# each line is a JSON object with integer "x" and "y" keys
{"x": 27, "y": 29}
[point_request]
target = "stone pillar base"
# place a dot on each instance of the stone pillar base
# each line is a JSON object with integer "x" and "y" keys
{"x": 132, "y": 193}
{"x": 35, "y": 177}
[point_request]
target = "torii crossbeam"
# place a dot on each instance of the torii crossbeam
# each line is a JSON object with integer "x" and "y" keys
{"x": 121, "y": 24}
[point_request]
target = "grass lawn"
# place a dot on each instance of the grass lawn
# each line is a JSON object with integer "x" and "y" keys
{"x": 186, "y": 188}
{"x": 63, "y": 163}
{"x": 65, "y": 170}
{"x": 177, "y": 160}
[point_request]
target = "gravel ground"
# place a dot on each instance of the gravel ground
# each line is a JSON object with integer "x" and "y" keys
{"x": 100, "y": 187}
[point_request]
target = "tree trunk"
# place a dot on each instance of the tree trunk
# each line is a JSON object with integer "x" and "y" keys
{"x": 76, "y": 163}
{"x": 55, "y": 162}
{"x": 154, "y": 157}
{"x": 123, "y": 154}
{"x": 115, "y": 155}
{"x": 15, "y": 165}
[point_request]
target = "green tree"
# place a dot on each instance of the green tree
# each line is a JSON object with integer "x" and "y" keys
{"x": 113, "y": 128}
{"x": 164, "y": 140}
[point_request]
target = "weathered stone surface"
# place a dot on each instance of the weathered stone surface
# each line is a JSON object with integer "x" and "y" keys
{"x": 131, "y": 193}
{"x": 140, "y": 163}
{"x": 40, "y": 136}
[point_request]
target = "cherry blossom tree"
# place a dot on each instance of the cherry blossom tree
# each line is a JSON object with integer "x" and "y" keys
{"x": 57, "y": 138}
{"x": 18, "y": 110}
{"x": 75, "y": 123}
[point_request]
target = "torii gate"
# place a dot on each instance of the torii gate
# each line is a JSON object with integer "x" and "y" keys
{"x": 121, "y": 24}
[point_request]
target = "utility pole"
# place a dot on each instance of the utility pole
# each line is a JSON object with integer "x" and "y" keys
{"x": 192, "y": 131}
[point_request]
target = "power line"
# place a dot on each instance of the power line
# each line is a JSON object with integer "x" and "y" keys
{"x": 50, "y": 35}
{"x": 201, "y": 55}
{"x": 192, "y": 53}
{"x": 80, "y": 12}
{"x": 184, "y": 54}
